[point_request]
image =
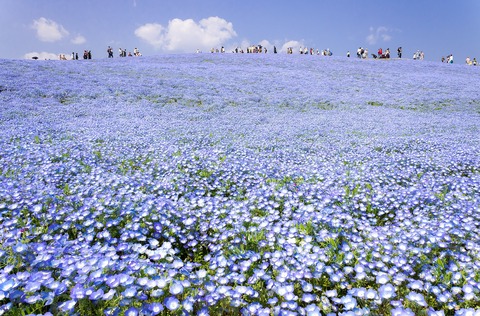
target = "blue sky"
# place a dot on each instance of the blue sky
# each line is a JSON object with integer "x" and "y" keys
{"x": 47, "y": 28}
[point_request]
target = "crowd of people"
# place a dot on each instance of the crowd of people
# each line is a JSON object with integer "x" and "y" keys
{"x": 418, "y": 55}
{"x": 381, "y": 54}
{"x": 448, "y": 59}
{"x": 259, "y": 49}
{"x": 87, "y": 54}
{"x": 468, "y": 61}
{"x": 362, "y": 53}
{"x": 471, "y": 62}
{"x": 252, "y": 49}
{"x": 123, "y": 52}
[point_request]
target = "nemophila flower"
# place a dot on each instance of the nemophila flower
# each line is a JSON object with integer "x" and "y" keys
{"x": 308, "y": 298}
{"x": 416, "y": 285}
{"x": 456, "y": 290}
{"x": 399, "y": 311}
{"x": 371, "y": 294}
{"x": 109, "y": 295}
{"x": 432, "y": 312}
{"x": 467, "y": 312}
{"x": 331, "y": 293}
{"x": 467, "y": 289}
{"x": 176, "y": 288}
{"x": 416, "y": 298}
{"x": 150, "y": 271}
{"x": 386, "y": 291}
{"x": 349, "y": 302}
{"x": 155, "y": 308}
{"x": 96, "y": 295}
{"x": 156, "y": 293}
{"x": 77, "y": 292}
{"x": 8, "y": 284}
{"x": 130, "y": 292}
{"x": 33, "y": 299}
{"x": 172, "y": 303}
{"x": 161, "y": 283}
{"x": 313, "y": 310}
{"x": 113, "y": 281}
{"x": 132, "y": 311}
{"x": 67, "y": 306}
{"x": 20, "y": 248}
{"x": 32, "y": 286}
{"x": 272, "y": 301}
{"x": 201, "y": 273}
{"x": 271, "y": 165}
{"x": 382, "y": 278}
{"x": 469, "y": 296}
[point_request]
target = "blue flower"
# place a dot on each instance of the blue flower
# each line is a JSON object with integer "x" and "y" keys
{"x": 109, "y": 295}
{"x": 8, "y": 285}
{"x": 130, "y": 292}
{"x": 349, "y": 302}
{"x": 417, "y": 298}
{"x": 386, "y": 291}
{"x": 256, "y": 189}
{"x": 67, "y": 306}
{"x": 32, "y": 286}
{"x": 172, "y": 303}
{"x": 399, "y": 311}
{"x": 132, "y": 311}
{"x": 97, "y": 295}
{"x": 176, "y": 288}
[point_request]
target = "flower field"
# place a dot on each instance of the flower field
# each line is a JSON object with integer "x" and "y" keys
{"x": 224, "y": 184}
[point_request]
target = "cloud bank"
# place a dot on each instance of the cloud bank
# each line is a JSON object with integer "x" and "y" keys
{"x": 381, "y": 33}
{"x": 78, "y": 40}
{"x": 295, "y": 45}
{"x": 187, "y": 35}
{"x": 48, "y": 30}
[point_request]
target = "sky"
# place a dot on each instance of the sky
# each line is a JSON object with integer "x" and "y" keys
{"x": 47, "y": 28}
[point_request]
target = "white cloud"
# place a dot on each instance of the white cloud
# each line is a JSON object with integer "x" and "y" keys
{"x": 295, "y": 45}
{"x": 187, "y": 35}
{"x": 246, "y": 43}
{"x": 152, "y": 33}
{"x": 267, "y": 44}
{"x": 78, "y": 40}
{"x": 381, "y": 33}
{"x": 48, "y": 30}
{"x": 44, "y": 55}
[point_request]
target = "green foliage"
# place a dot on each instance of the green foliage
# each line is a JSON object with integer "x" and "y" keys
{"x": 307, "y": 228}
{"x": 204, "y": 173}
{"x": 324, "y": 105}
{"x": 66, "y": 189}
{"x": 374, "y": 103}
{"x": 256, "y": 212}
{"x": 97, "y": 154}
